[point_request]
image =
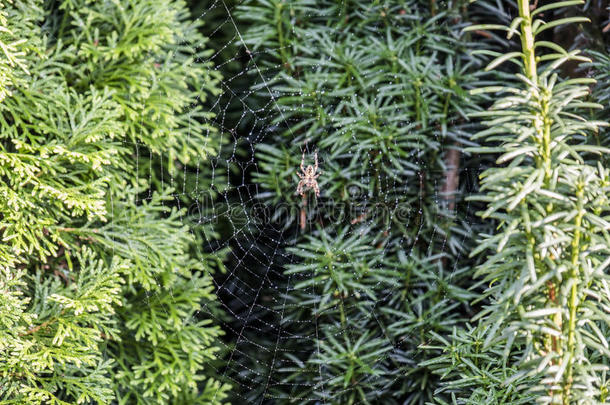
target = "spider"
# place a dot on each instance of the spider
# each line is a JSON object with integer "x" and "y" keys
{"x": 309, "y": 176}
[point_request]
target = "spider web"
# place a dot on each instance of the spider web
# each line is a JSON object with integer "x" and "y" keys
{"x": 262, "y": 234}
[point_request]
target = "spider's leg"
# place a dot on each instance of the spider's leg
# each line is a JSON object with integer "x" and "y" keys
{"x": 315, "y": 158}
{"x": 317, "y": 175}
{"x": 300, "y": 175}
{"x": 316, "y": 188}
{"x": 303, "y": 161}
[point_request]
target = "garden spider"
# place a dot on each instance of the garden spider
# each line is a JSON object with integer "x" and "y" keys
{"x": 309, "y": 176}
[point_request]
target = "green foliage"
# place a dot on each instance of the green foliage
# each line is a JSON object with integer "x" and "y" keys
{"x": 545, "y": 321}
{"x": 12, "y": 54}
{"x": 380, "y": 92}
{"x": 375, "y": 291}
{"x": 101, "y": 288}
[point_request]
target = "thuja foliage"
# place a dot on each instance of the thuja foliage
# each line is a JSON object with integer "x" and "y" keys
{"x": 542, "y": 334}
{"x": 101, "y": 286}
{"x": 379, "y": 92}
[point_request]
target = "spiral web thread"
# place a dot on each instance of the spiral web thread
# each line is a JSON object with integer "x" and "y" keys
{"x": 255, "y": 312}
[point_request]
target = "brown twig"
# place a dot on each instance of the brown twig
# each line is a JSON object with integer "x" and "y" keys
{"x": 64, "y": 229}
{"x": 37, "y": 328}
{"x": 381, "y": 243}
{"x": 62, "y": 276}
{"x": 483, "y": 34}
{"x": 105, "y": 336}
{"x": 359, "y": 219}
{"x": 43, "y": 325}
{"x": 303, "y": 211}
{"x": 553, "y": 299}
